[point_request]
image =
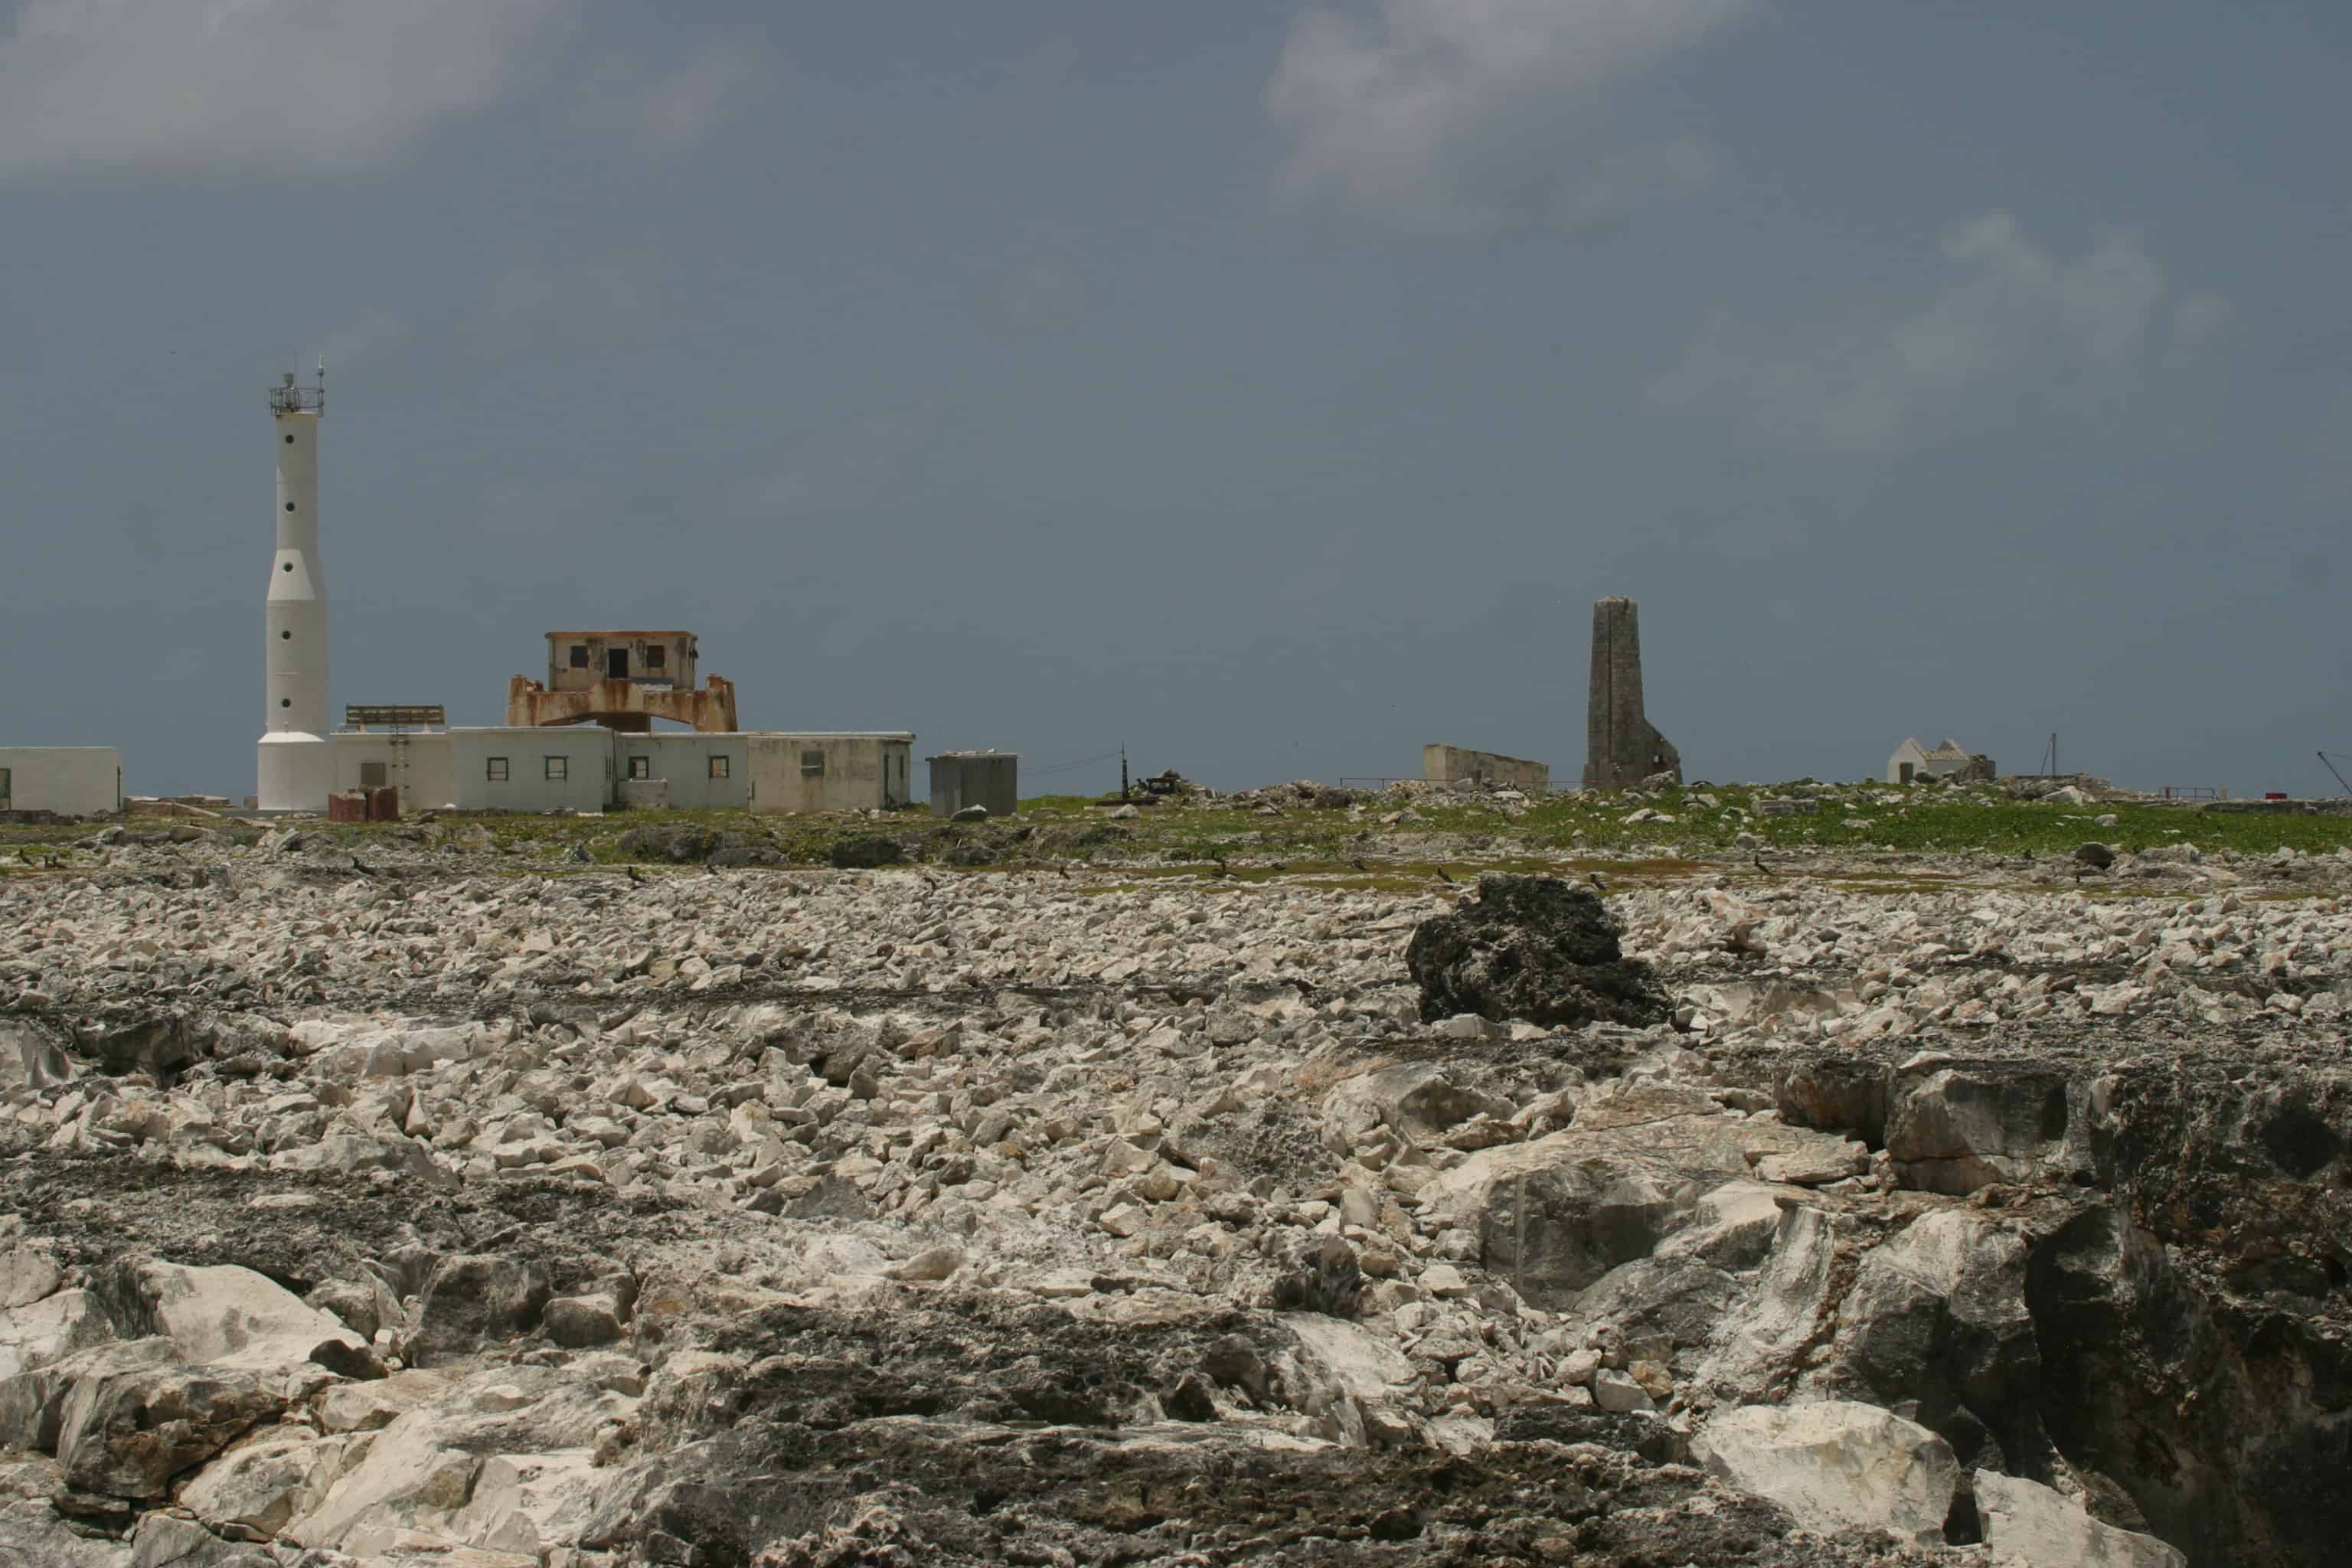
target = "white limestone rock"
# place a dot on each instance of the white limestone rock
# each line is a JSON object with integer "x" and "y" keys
{"x": 1835, "y": 1464}
{"x": 2028, "y": 1523}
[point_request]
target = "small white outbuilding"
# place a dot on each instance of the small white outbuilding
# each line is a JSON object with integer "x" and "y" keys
{"x": 1951, "y": 760}
{"x": 72, "y": 781}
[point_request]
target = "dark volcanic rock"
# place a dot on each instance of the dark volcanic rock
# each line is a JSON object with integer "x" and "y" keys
{"x": 472, "y": 1301}
{"x": 1328, "y": 1280}
{"x": 1535, "y": 948}
{"x": 866, "y": 853}
{"x": 680, "y": 842}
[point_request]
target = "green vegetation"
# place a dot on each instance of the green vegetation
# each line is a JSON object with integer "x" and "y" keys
{"x": 1398, "y": 841}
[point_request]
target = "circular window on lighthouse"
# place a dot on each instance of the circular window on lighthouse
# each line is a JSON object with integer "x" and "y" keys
{"x": 288, "y": 567}
{"x": 289, "y": 440}
{"x": 286, "y": 703}
{"x": 289, "y": 506}
{"x": 285, "y": 637}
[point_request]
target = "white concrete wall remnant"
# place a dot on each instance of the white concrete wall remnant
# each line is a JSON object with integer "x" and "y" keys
{"x": 1459, "y": 764}
{"x": 295, "y": 764}
{"x": 843, "y": 771}
{"x": 72, "y": 781}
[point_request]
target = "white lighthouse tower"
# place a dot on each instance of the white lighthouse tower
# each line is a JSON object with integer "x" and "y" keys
{"x": 297, "y": 761}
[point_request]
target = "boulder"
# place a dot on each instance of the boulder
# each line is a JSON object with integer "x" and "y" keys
{"x": 32, "y": 1403}
{"x": 1326, "y": 1279}
{"x": 1554, "y": 1215}
{"x": 32, "y": 1055}
{"x": 1420, "y": 1100}
{"x": 1535, "y": 948}
{"x": 1953, "y": 1127}
{"x": 158, "y": 1043}
{"x": 1835, "y": 1465}
{"x": 865, "y": 853}
{"x": 127, "y": 1431}
{"x": 1939, "y": 1315}
{"x": 577, "y": 1323}
{"x": 474, "y": 1300}
{"x": 2097, "y": 857}
{"x": 680, "y": 843}
{"x": 2026, "y": 1523}
{"x": 166, "y": 1541}
{"x": 49, "y": 1329}
{"x": 223, "y": 1316}
{"x": 258, "y": 1484}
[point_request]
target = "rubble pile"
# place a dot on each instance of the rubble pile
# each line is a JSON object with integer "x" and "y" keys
{"x": 393, "y": 1215}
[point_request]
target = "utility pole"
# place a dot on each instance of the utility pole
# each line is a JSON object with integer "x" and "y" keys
{"x": 1123, "y": 770}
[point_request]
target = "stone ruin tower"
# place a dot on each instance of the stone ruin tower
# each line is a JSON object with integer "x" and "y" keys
{"x": 1621, "y": 749}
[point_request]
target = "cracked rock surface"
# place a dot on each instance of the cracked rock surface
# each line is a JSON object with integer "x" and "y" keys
{"x": 426, "y": 1215}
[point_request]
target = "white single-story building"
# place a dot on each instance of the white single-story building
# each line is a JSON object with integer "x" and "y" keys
{"x": 418, "y": 763}
{"x": 691, "y": 770}
{"x": 72, "y": 781}
{"x": 586, "y": 767}
{"x": 1951, "y": 760}
{"x": 844, "y": 770}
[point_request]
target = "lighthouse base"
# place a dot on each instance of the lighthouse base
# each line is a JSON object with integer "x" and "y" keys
{"x": 295, "y": 772}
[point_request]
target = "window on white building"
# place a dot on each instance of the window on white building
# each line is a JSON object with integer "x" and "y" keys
{"x": 718, "y": 767}
{"x": 497, "y": 770}
{"x": 558, "y": 767}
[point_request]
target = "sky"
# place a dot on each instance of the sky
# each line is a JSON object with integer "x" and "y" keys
{"x": 1269, "y": 389}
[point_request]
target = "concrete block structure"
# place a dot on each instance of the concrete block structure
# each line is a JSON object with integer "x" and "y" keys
{"x": 988, "y": 779}
{"x": 531, "y": 768}
{"x": 1950, "y": 761}
{"x": 1621, "y": 746}
{"x": 72, "y": 781}
{"x": 1460, "y": 765}
{"x": 624, "y": 680}
{"x": 835, "y": 771}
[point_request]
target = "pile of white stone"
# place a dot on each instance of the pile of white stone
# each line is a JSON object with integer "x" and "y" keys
{"x": 1143, "y": 1105}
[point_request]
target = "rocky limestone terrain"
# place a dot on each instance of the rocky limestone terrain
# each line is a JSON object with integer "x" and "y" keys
{"x": 418, "y": 1211}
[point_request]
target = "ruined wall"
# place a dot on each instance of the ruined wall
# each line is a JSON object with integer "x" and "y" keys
{"x": 1621, "y": 746}
{"x": 1456, "y": 765}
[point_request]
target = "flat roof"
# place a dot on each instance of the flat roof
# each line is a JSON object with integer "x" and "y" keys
{"x": 665, "y": 632}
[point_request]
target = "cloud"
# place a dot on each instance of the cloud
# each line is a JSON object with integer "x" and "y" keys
{"x": 594, "y": 304}
{"x": 229, "y": 87}
{"x": 2017, "y": 313}
{"x": 663, "y": 113}
{"x": 1468, "y": 117}
{"x": 2329, "y": 483}
{"x": 367, "y": 337}
{"x": 845, "y": 466}
{"x": 1040, "y": 296}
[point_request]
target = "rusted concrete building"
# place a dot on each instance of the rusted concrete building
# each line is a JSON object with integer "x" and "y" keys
{"x": 1459, "y": 765}
{"x": 624, "y": 680}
